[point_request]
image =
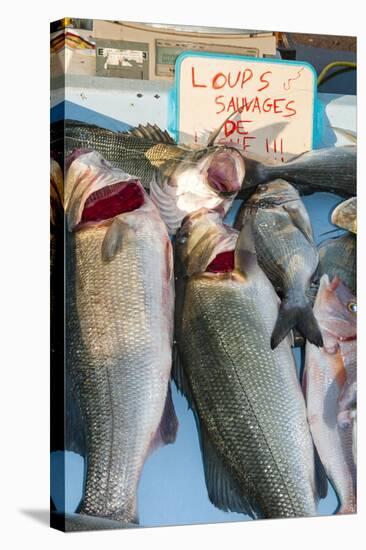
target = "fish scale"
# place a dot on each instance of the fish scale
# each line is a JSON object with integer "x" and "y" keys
{"x": 247, "y": 396}
{"x": 326, "y": 371}
{"x": 286, "y": 253}
{"x": 338, "y": 257}
{"x": 119, "y": 339}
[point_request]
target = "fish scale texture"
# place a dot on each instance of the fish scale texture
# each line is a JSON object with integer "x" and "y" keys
{"x": 285, "y": 254}
{"x": 334, "y": 444}
{"x": 247, "y": 396}
{"x": 133, "y": 155}
{"x": 338, "y": 257}
{"x": 119, "y": 339}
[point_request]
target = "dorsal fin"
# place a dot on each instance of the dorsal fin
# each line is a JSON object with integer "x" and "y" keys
{"x": 152, "y": 133}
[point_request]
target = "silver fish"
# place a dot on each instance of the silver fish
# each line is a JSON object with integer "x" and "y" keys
{"x": 286, "y": 252}
{"x": 256, "y": 445}
{"x": 119, "y": 319}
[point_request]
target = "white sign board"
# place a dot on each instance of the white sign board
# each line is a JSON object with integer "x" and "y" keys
{"x": 276, "y": 99}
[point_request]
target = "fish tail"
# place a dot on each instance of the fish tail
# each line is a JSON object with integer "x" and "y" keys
{"x": 300, "y": 315}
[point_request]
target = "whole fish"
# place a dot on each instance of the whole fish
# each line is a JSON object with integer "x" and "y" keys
{"x": 256, "y": 445}
{"x": 286, "y": 252}
{"x": 345, "y": 215}
{"x": 142, "y": 149}
{"x": 326, "y": 372}
{"x": 338, "y": 257}
{"x": 119, "y": 321}
{"x": 180, "y": 179}
{"x": 327, "y": 169}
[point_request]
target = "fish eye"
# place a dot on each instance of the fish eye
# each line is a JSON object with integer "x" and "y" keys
{"x": 352, "y": 306}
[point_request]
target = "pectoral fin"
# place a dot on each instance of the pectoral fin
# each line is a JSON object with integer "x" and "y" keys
{"x": 112, "y": 243}
{"x": 223, "y": 491}
{"x": 301, "y": 221}
{"x": 168, "y": 427}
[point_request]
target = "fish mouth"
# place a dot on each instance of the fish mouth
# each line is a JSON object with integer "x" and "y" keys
{"x": 112, "y": 200}
{"x": 225, "y": 173}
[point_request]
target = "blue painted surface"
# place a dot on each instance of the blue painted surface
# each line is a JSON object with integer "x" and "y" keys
{"x": 176, "y": 97}
{"x": 72, "y": 111}
{"x": 172, "y": 490}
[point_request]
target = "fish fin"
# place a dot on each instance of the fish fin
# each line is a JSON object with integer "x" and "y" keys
{"x": 169, "y": 260}
{"x": 299, "y": 220}
{"x": 169, "y": 422}
{"x": 223, "y": 491}
{"x": 298, "y": 315}
{"x": 221, "y": 487}
{"x": 349, "y": 134}
{"x": 321, "y": 479}
{"x": 152, "y": 133}
{"x": 168, "y": 427}
{"x": 245, "y": 253}
{"x": 75, "y": 439}
{"x": 112, "y": 242}
{"x": 180, "y": 378}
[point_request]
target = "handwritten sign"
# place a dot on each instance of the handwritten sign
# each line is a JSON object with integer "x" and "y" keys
{"x": 275, "y": 98}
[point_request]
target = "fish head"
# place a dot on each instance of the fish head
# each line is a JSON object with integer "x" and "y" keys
{"x": 203, "y": 237}
{"x": 214, "y": 172}
{"x": 221, "y": 168}
{"x": 274, "y": 193}
{"x": 208, "y": 178}
{"x": 336, "y": 309}
{"x": 96, "y": 192}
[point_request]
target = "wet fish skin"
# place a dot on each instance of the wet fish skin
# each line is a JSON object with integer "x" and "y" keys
{"x": 338, "y": 257}
{"x": 286, "y": 252}
{"x": 345, "y": 215}
{"x": 122, "y": 149}
{"x": 180, "y": 179}
{"x": 330, "y": 169}
{"x": 255, "y": 439}
{"x": 326, "y": 372}
{"x": 205, "y": 178}
{"x": 120, "y": 300}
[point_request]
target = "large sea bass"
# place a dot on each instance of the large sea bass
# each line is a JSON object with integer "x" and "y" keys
{"x": 120, "y": 300}
{"x": 326, "y": 373}
{"x": 257, "y": 450}
{"x": 286, "y": 252}
{"x": 180, "y": 179}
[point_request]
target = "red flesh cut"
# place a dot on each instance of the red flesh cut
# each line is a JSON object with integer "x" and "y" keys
{"x": 112, "y": 200}
{"x": 222, "y": 263}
